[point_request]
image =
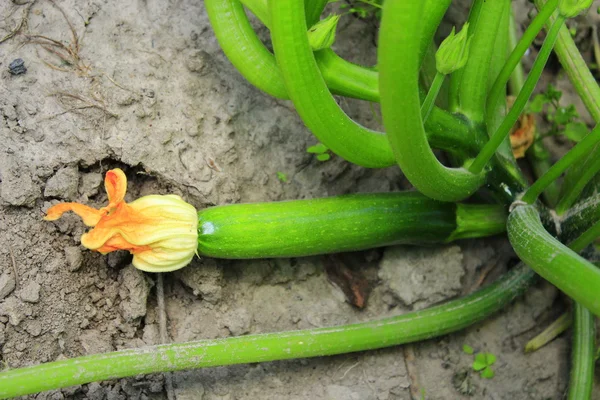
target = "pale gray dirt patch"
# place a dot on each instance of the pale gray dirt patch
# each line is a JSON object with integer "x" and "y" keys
{"x": 154, "y": 95}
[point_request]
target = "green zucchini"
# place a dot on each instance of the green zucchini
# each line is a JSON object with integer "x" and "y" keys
{"x": 339, "y": 224}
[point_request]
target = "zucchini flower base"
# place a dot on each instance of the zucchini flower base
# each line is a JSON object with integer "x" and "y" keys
{"x": 161, "y": 231}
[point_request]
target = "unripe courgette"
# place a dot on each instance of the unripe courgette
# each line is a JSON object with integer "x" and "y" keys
{"x": 338, "y": 224}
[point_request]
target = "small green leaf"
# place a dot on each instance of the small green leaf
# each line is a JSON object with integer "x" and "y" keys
{"x": 576, "y": 131}
{"x": 323, "y": 157}
{"x": 478, "y": 366}
{"x": 552, "y": 93}
{"x": 488, "y": 373}
{"x": 490, "y": 359}
{"x": 564, "y": 115}
{"x": 282, "y": 177}
{"x": 319, "y": 148}
{"x": 538, "y": 103}
{"x": 467, "y": 349}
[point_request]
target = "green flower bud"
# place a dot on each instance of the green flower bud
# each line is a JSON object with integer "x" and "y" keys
{"x": 572, "y": 8}
{"x": 453, "y": 52}
{"x": 322, "y": 34}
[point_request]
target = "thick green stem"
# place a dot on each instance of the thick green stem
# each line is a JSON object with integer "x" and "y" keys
{"x": 588, "y": 90}
{"x": 561, "y": 266}
{"x": 478, "y": 220}
{"x": 580, "y": 150}
{"x": 576, "y": 179}
{"x": 385, "y": 332}
{"x": 429, "y": 101}
{"x": 534, "y": 75}
{"x": 307, "y": 89}
{"x": 497, "y": 93}
{"x": 471, "y": 83}
{"x": 583, "y": 353}
{"x": 399, "y": 63}
{"x": 517, "y": 78}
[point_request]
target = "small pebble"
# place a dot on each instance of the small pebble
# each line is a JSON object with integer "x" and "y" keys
{"x": 74, "y": 257}
{"x": 31, "y": 292}
{"x": 17, "y": 67}
{"x": 7, "y": 285}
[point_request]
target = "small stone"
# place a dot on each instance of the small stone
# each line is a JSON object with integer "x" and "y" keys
{"x": 14, "y": 309}
{"x": 420, "y": 277}
{"x": 96, "y": 391}
{"x": 89, "y": 184}
{"x": 17, "y": 67}
{"x": 63, "y": 184}
{"x": 205, "y": 278}
{"x": 7, "y": 285}
{"x": 133, "y": 290}
{"x": 93, "y": 342}
{"x": 199, "y": 62}
{"x": 30, "y": 292}
{"x": 238, "y": 321}
{"x": 17, "y": 186}
{"x": 74, "y": 257}
{"x": 34, "y": 328}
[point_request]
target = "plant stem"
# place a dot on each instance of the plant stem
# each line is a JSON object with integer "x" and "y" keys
{"x": 576, "y": 68}
{"x": 427, "y": 105}
{"x": 583, "y": 353}
{"x": 534, "y": 75}
{"x": 557, "y": 327}
{"x": 517, "y": 78}
{"x": 576, "y": 179}
{"x": 497, "y": 93}
{"x": 410, "y": 327}
{"x": 580, "y": 150}
{"x": 478, "y": 220}
{"x": 561, "y": 266}
{"x": 583, "y": 350}
{"x": 399, "y": 64}
{"x": 539, "y": 158}
{"x": 473, "y": 86}
{"x": 310, "y": 95}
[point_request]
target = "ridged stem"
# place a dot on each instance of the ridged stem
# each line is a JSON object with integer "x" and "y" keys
{"x": 399, "y": 62}
{"x": 534, "y": 75}
{"x": 411, "y": 327}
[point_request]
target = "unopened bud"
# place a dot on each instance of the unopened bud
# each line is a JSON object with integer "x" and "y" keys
{"x": 322, "y": 34}
{"x": 453, "y": 52}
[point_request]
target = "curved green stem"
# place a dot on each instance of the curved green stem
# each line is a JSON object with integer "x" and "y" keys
{"x": 580, "y": 150}
{"x": 310, "y": 94}
{"x": 385, "y": 332}
{"x": 243, "y": 48}
{"x": 555, "y": 262}
{"x": 534, "y": 75}
{"x": 497, "y": 93}
{"x": 399, "y": 63}
{"x": 429, "y": 101}
{"x": 582, "y": 354}
{"x": 471, "y": 82}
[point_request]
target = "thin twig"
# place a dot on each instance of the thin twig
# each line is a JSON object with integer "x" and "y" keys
{"x": 14, "y": 266}
{"x": 411, "y": 368}
{"x": 164, "y": 336}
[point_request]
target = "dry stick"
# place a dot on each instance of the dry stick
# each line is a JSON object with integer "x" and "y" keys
{"x": 14, "y": 265}
{"x": 21, "y": 24}
{"x": 411, "y": 368}
{"x": 164, "y": 336}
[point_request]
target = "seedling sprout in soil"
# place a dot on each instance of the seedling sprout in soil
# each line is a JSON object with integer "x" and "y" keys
{"x": 480, "y": 191}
